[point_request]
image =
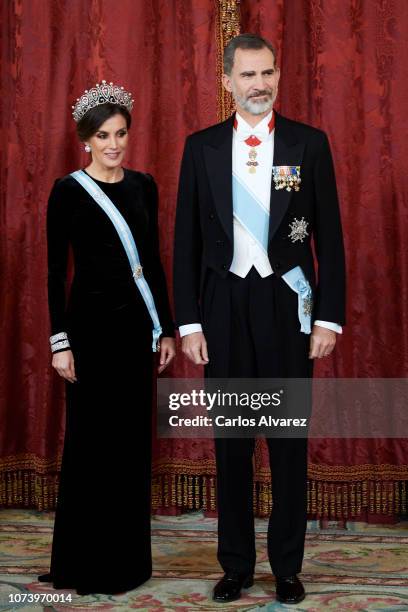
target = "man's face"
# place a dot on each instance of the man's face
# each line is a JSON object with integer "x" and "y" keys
{"x": 253, "y": 80}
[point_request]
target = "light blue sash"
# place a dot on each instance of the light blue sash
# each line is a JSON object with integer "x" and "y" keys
{"x": 297, "y": 281}
{"x": 255, "y": 218}
{"x": 129, "y": 245}
{"x": 250, "y": 212}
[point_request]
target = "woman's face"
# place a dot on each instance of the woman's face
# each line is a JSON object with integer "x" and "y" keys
{"x": 109, "y": 143}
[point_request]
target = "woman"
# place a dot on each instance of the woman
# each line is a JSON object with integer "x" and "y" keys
{"x": 102, "y": 345}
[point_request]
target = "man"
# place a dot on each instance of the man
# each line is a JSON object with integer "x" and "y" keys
{"x": 237, "y": 307}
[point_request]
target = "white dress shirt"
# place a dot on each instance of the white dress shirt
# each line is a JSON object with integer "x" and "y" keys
{"x": 247, "y": 252}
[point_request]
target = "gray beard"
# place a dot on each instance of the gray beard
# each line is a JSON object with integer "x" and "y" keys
{"x": 255, "y": 108}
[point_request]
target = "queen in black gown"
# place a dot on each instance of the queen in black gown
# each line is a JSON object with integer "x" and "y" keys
{"x": 102, "y": 345}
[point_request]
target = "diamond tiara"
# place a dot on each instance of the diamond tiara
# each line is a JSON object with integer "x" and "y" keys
{"x": 101, "y": 94}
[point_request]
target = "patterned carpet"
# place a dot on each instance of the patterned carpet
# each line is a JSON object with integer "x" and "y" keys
{"x": 361, "y": 568}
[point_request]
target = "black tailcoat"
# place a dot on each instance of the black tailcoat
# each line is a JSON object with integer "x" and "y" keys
{"x": 204, "y": 220}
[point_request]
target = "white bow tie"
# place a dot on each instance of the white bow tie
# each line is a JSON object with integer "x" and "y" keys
{"x": 244, "y": 133}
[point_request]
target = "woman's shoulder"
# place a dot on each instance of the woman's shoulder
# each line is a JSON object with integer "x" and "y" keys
{"x": 138, "y": 177}
{"x": 62, "y": 196}
{"x": 143, "y": 183}
{"x": 65, "y": 184}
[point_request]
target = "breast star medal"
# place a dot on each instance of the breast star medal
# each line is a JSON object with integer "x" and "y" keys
{"x": 286, "y": 177}
{"x": 298, "y": 230}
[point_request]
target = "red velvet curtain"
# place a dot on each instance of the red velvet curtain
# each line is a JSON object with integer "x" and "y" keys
{"x": 165, "y": 53}
{"x": 342, "y": 69}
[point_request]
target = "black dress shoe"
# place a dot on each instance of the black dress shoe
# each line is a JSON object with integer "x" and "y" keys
{"x": 229, "y": 587}
{"x": 289, "y": 590}
{"x": 57, "y": 584}
{"x": 45, "y": 578}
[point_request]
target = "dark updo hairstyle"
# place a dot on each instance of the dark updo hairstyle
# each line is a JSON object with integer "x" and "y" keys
{"x": 90, "y": 123}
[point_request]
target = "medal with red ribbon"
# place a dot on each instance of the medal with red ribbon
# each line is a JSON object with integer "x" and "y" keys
{"x": 253, "y": 141}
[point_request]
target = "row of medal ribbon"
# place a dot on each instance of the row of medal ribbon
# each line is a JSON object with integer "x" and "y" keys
{"x": 286, "y": 177}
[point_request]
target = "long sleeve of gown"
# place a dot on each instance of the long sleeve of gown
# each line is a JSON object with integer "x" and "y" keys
{"x": 58, "y": 245}
{"x": 159, "y": 284}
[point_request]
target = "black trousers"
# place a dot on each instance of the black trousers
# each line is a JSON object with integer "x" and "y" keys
{"x": 259, "y": 338}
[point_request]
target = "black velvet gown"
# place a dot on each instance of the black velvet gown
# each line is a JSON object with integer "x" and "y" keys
{"x": 101, "y": 538}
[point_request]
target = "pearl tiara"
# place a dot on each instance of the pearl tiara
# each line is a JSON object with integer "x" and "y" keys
{"x": 101, "y": 94}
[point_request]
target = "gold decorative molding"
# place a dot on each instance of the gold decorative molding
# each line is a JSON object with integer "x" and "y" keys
{"x": 228, "y": 25}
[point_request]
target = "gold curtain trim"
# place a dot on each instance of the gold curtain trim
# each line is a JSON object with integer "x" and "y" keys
{"x": 227, "y": 26}
{"x": 28, "y": 489}
{"x": 197, "y": 467}
{"x": 325, "y": 499}
{"x": 366, "y": 471}
{"x": 316, "y": 471}
{"x": 29, "y": 462}
{"x": 328, "y": 500}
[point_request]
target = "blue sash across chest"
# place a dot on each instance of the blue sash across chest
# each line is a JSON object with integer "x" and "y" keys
{"x": 128, "y": 243}
{"x": 255, "y": 219}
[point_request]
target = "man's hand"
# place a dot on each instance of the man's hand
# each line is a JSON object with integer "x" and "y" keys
{"x": 322, "y": 342}
{"x": 63, "y": 362}
{"x": 194, "y": 346}
{"x": 167, "y": 352}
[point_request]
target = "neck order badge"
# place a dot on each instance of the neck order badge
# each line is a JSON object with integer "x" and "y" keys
{"x": 253, "y": 141}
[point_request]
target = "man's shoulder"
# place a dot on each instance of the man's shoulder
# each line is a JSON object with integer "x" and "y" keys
{"x": 208, "y": 133}
{"x": 304, "y": 131}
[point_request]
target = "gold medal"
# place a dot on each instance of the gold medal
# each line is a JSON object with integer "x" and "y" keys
{"x": 252, "y": 164}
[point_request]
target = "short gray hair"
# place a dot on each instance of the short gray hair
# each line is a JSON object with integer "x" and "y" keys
{"x": 244, "y": 41}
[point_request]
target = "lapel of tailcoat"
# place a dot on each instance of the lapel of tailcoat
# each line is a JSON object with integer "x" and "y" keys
{"x": 218, "y": 161}
{"x": 287, "y": 151}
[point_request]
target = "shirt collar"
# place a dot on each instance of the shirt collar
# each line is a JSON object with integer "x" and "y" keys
{"x": 261, "y": 130}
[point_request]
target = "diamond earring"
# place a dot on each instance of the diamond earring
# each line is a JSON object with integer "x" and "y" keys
{"x": 87, "y": 148}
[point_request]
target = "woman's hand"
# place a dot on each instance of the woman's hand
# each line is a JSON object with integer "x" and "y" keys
{"x": 167, "y": 353}
{"x": 63, "y": 362}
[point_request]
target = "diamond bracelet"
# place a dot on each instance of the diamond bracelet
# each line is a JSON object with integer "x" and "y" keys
{"x": 57, "y": 346}
{"x": 59, "y": 341}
